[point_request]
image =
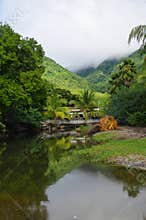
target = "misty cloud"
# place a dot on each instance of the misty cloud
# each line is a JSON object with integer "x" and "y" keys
{"x": 77, "y": 33}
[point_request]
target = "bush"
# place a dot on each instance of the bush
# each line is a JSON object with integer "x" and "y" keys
{"x": 127, "y": 102}
{"x": 31, "y": 117}
{"x": 24, "y": 117}
{"x": 137, "y": 119}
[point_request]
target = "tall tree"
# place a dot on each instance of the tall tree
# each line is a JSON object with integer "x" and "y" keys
{"x": 21, "y": 85}
{"x": 123, "y": 75}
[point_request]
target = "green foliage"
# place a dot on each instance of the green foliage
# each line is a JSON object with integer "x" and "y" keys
{"x": 62, "y": 78}
{"x": 86, "y": 71}
{"x": 108, "y": 65}
{"x": 137, "y": 119}
{"x": 98, "y": 78}
{"x": 2, "y": 126}
{"x": 56, "y": 108}
{"x": 30, "y": 117}
{"x": 87, "y": 100}
{"x": 98, "y": 81}
{"x": 68, "y": 98}
{"x": 127, "y": 102}
{"x": 138, "y": 33}
{"x": 123, "y": 75}
{"x": 22, "y": 87}
{"x": 138, "y": 58}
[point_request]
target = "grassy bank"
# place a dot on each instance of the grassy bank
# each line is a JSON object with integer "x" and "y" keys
{"x": 121, "y": 147}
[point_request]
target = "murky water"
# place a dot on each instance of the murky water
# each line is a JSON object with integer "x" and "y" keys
{"x": 85, "y": 193}
{"x": 93, "y": 194}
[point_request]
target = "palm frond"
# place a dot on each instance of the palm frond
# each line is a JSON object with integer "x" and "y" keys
{"x": 138, "y": 33}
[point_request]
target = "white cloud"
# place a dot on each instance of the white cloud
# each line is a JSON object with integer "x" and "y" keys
{"x": 77, "y": 33}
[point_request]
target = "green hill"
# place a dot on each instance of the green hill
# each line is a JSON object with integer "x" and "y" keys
{"x": 138, "y": 58}
{"x": 107, "y": 66}
{"x": 85, "y": 71}
{"x": 93, "y": 78}
{"x": 63, "y": 78}
{"x": 99, "y": 78}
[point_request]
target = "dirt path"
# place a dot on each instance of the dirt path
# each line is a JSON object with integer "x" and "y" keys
{"x": 126, "y": 132}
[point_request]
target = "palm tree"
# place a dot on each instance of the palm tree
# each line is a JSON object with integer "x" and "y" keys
{"x": 123, "y": 75}
{"x": 56, "y": 109}
{"x": 87, "y": 99}
{"x": 138, "y": 33}
{"x": 86, "y": 102}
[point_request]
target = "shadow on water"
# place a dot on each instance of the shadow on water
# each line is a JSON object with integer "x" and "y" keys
{"x": 24, "y": 162}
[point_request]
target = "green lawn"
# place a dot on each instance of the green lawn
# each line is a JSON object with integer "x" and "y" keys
{"x": 113, "y": 148}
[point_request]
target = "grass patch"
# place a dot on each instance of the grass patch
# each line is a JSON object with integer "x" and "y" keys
{"x": 105, "y": 137}
{"x": 110, "y": 147}
{"x": 116, "y": 148}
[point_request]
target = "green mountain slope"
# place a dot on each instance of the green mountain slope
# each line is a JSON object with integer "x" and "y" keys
{"x": 97, "y": 81}
{"x": 108, "y": 65}
{"x": 138, "y": 58}
{"x": 63, "y": 78}
{"x": 99, "y": 78}
{"x": 86, "y": 71}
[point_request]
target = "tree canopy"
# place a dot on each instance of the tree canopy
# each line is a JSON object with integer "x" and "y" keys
{"x": 21, "y": 85}
{"x": 123, "y": 75}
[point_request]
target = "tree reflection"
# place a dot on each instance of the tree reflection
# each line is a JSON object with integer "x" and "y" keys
{"x": 23, "y": 167}
{"x": 132, "y": 190}
{"x": 130, "y": 181}
{"x": 21, "y": 208}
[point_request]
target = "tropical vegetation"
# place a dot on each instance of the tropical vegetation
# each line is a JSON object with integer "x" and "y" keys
{"x": 23, "y": 92}
{"x": 34, "y": 88}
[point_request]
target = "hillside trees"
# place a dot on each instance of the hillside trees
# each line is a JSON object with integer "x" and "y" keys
{"x": 22, "y": 90}
{"x": 128, "y": 103}
{"x": 123, "y": 75}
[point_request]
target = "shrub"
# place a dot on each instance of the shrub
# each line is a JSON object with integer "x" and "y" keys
{"x": 126, "y": 102}
{"x": 137, "y": 119}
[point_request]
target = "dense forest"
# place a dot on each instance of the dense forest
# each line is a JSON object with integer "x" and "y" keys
{"x": 34, "y": 88}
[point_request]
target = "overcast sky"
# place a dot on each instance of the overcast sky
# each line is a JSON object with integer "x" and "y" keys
{"x": 77, "y": 33}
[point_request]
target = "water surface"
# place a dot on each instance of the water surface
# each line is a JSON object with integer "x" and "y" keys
{"x": 85, "y": 193}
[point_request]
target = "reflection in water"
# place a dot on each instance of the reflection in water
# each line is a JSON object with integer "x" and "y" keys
{"x": 91, "y": 193}
{"x": 133, "y": 191}
{"x": 16, "y": 208}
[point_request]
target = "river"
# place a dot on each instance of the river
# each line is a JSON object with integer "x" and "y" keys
{"x": 35, "y": 186}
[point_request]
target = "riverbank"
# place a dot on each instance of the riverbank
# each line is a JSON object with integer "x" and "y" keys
{"x": 125, "y": 147}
